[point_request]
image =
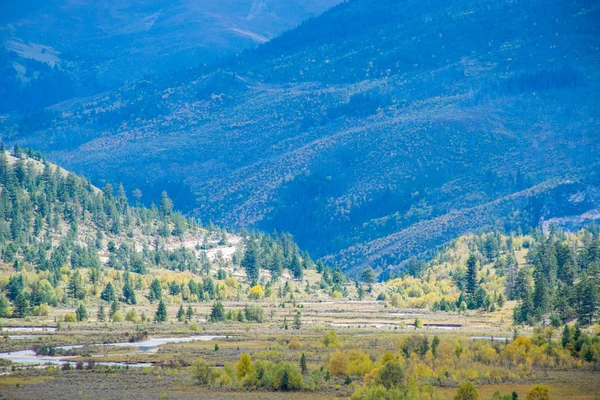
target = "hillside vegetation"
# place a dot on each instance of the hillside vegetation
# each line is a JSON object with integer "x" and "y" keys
{"x": 66, "y": 242}
{"x": 53, "y": 51}
{"x": 372, "y": 133}
{"x": 552, "y": 278}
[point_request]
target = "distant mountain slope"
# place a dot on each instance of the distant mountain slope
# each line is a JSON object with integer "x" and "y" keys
{"x": 363, "y": 124}
{"x": 54, "y": 50}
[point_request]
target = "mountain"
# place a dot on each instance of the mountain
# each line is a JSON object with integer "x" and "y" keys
{"x": 56, "y": 50}
{"x": 374, "y": 132}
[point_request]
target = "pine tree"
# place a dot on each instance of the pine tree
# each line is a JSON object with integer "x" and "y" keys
{"x": 81, "y": 312}
{"x": 114, "y": 307}
{"x": 21, "y": 306}
{"x": 296, "y": 268}
{"x": 76, "y": 288}
{"x": 250, "y": 264}
{"x": 277, "y": 264}
{"x": 500, "y": 300}
{"x": 129, "y": 293}
{"x": 588, "y": 295}
{"x": 303, "y": 366}
{"x": 566, "y": 336}
{"x": 297, "y": 321}
{"x": 181, "y": 314}
{"x": 285, "y": 381}
{"x": 189, "y": 313}
{"x": 15, "y": 286}
{"x": 161, "y": 312}
{"x": 218, "y": 312}
{"x": 166, "y": 205}
{"x": 471, "y": 274}
{"x": 368, "y": 276}
{"x": 101, "y": 313}
{"x": 155, "y": 291}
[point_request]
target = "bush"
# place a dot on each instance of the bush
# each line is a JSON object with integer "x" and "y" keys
{"x": 254, "y": 313}
{"x": 330, "y": 339}
{"x": 256, "y": 292}
{"x": 392, "y": 374}
{"x": 378, "y": 392}
{"x": 539, "y": 392}
{"x": 286, "y": 377}
{"x": 244, "y": 367}
{"x": 360, "y": 363}
{"x": 43, "y": 310}
{"x": 339, "y": 363}
{"x": 466, "y": 391}
{"x": 117, "y": 317}
{"x": 202, "y": 372}
{"x": 131, "y": 316}
{"x": 70, "y": 317}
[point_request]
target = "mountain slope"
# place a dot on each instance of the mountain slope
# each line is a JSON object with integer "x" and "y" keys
{"x": 52, "y": 51}
{"x": 358, "y": 126}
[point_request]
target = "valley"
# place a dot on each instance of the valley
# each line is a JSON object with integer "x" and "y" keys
{"x": 300, "y": 199}
{"x": 93, "y": 287}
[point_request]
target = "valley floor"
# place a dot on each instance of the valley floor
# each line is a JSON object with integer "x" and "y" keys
{"x": 368, "y": 326}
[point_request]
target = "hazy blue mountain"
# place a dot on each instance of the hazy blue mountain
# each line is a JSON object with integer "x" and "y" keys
{"x": 55, "y": 50}
{"x": 373, "y": 132}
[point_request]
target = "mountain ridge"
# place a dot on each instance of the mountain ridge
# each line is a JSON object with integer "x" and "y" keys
{"x": 380, "y": 119}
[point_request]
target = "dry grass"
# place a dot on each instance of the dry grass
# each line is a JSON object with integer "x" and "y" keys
{"x": 571, "y": 385}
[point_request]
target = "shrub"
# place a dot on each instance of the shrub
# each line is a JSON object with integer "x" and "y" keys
{"x": 360, "y": 363}
{"x": 466, "y": 391}
{"x": 396, "y": 300}
{"x": 70, "y": 317}
{"x": 339, "y": 363}
{"x": 202, "y": 372}
{"x": 43, "y": 310}
{"x": 392, "y": 374}
{"x": 539, "y": 392}
{"x": 287, "y": 377}
{"x": 295, "y": 345}
{"x": 244, "y": 367}
{"x": 418, "y": 344}
{"x": 330, "y": 339}
{"x": 254, "y": 313}
{"x": 256, "y": 292}
{"x": 117, "y": 317}
{"x": 131, "y": 316}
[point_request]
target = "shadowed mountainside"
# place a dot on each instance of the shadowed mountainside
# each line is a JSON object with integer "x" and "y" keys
{"x": 56, "y": 50}
{"x": 373, "y": 126}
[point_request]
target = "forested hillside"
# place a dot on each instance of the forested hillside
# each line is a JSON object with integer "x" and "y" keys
{"x": 372, "y": 133}
{"x": 66, "y": 242}
{"x": 551, "y": 278}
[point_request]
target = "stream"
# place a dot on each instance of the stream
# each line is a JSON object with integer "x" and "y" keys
{"x": 30, "y": 357}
